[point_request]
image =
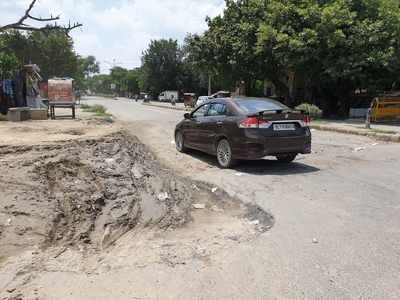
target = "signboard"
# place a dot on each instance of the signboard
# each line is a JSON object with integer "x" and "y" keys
{"x": 60, "y": 90}
{"x": 113, "y": 86}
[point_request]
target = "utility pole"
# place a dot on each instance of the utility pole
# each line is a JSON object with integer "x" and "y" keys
{"x": 209, "y": 85}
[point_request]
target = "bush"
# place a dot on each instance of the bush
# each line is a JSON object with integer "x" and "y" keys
{"x": 98, "y": 110}
{"x": 314, "y": 111}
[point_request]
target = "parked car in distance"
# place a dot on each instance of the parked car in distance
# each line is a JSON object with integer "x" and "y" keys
{"x": 245, "y": 129}
{"x": 201, "y": 100}
{"x": 168, "y": 96}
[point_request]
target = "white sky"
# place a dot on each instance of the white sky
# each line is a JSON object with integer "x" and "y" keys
{"x": 121, "y": 29}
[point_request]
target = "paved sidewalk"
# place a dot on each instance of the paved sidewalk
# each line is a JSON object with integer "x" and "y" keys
{"x": 384, "y": 132}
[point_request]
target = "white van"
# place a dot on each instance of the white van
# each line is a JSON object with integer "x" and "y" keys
{"x": 167, "y": 96}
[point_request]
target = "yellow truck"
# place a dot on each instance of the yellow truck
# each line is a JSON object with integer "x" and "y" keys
{"x": 385, "y": 108}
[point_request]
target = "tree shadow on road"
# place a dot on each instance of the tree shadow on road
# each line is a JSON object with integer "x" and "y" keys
{"x": 260, "y": 167}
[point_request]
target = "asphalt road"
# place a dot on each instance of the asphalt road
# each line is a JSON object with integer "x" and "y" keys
{"x": 337, "y": 231}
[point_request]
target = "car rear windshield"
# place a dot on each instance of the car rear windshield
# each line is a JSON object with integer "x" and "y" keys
{"x": 253, "y": 106}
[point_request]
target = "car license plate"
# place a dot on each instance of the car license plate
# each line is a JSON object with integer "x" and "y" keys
{"x": 282, "y": 127}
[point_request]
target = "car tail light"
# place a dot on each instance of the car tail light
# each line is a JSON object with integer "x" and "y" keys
{"x": 254, "y": 122}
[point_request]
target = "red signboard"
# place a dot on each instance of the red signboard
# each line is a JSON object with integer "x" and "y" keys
{"x": 61, "y": 90}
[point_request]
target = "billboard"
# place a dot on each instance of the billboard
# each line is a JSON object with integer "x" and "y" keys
{"x": 61, "y": 90}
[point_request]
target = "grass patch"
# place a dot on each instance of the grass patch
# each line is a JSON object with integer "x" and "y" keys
{"x": 98, "y": 110}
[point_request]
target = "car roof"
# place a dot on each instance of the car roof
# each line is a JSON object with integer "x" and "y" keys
{"x": 242, "y": 98}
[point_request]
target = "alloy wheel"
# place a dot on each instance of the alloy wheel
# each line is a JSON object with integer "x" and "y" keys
{"x": 224, "y": 154}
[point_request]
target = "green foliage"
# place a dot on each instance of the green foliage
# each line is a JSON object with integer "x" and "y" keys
{"x": 126, "y": 81}
{"x": 52, "y": 51}
{"x": 333, "y": 46}
{"x": 87, "y": 67}
{"x": 98, "y": 110}
{"x": 161, "y": 65}
{"x": 314, "y": 111}
{"x": 8, "y": 64}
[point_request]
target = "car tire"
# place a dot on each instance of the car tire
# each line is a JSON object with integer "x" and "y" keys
{"x": 224, "y": 154}
{"x": 180, "y": 142}
{"x": 286, "y": 158}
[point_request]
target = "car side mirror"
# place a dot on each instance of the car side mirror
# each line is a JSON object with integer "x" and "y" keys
{"x": 187, "y": 116}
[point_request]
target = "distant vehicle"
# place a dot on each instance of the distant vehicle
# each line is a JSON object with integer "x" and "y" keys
{"x": 143, "y": 96}
{"x": 245, "y": 128}
{"x": 385, "y": 108}
{"x": 189, "y": 100}
{"x": 202, "y": 100}
{"x": 168, "y": 96}
{"x": 221, "y": 94}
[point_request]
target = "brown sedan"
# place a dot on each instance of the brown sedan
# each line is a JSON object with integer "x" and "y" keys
{"x": 245, "y": 129}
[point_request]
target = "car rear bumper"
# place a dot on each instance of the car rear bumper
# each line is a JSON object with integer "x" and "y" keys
{"x": 250, "y": 149}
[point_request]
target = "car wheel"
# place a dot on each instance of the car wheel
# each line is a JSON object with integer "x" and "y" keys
{"x": 180, "y": 142}
{"x": 224, "y": 154}
{"x": 286, "y": 158}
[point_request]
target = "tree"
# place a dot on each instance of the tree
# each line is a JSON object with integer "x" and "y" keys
{"x": 89, "y": 65}
{"x": 161, "y": 66}
{"x": 21, "y": 25}
{"x": 8, "y": 64}
{"x": 336, "y": 46}
{"x": 53, "y": 52}
{"x": 226, "y": 51}
{"x": 331, "y": 47}
{"x": 133, "y": 81}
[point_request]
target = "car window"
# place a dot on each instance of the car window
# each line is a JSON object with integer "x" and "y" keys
{"x": 250, "y": 106}
{"x": 217, "y": 109}
{"x": 201, "y": 112}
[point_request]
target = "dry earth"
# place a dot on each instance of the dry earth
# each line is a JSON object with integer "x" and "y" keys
{"x": 84, "y": 197}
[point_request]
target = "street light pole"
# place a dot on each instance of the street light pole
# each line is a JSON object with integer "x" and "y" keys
{"x": 209, "y": 85}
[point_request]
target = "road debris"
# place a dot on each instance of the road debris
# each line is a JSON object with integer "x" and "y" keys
{"x": 239, "y": 174}
{"x": 214, "y": 190}
{"x": 254, "y": 222}
{"x": 358, "y": 149}
{"x": 315, "y": 241}
{"x": 163, "y": 196}
{"x": 216, "y": 209}
{"x": 199, "y": 206}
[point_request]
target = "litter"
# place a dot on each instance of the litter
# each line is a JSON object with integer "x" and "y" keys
{"x": 199, "y": 206}
{"x": 214, "y": 190}
{"x": 110, "y": 160}
{"x": 8, "y": 223}
{"x": 216, "y": 209}
{"x": 315, "y": 241}
{"x": 173, "y": 142}
{"x": 254, "y": 222}
{"x": 359, "y": 149}
{"x": 163, "y": 196}
{"x": 374, "y": 144}
{"x": 239, "y": 174}
{"x": 195, "y": 187}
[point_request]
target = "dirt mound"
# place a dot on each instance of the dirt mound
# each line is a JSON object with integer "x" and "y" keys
{"x": 91, "y": 192}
